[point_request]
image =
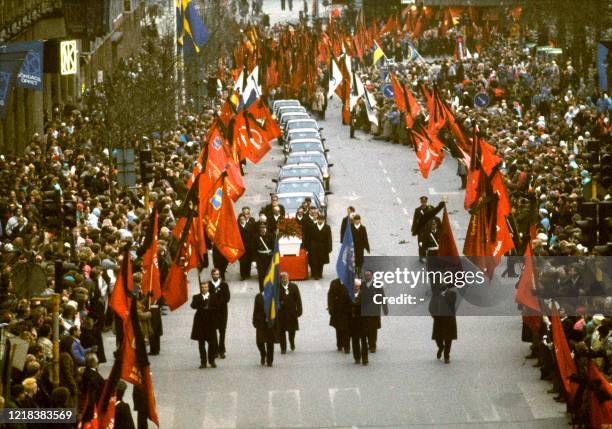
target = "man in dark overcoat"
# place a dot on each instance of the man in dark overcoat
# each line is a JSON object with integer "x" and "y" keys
{"x": 264, "y": 330}
{"x": 204, "y": 325}
{"x": 221, "y": 294}
{"x": 319, "y": 247}
{"x": 360, "y": 241}
{"x": 358, "y": 328}
{"x": 290, "y": 311}
{"x": 372, "y": 309}
{"x": 339, "y": 307}
{"x": 442, "y": 308}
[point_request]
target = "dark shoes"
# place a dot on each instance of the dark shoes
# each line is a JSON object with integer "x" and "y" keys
{"x": 357, "y": 361}
{"x": 202, "y": 365}
{"x": 439, "y": 354}
{"x": 270, "y": 364}
{"x": 222, "y": 355}
{"x": 372, "y": 349}
{"x": 347, "y": 351}
{"x": 364, "y": 363}
{"x": 263, "y": 361}
{"x": 213, "y": 365}
{"x": 446, "y": 360}
{"x": 283, "y": 352}
{"x": 292, "y": 347}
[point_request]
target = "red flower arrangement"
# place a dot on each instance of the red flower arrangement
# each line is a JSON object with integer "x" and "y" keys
{"x": 289, "y": 227}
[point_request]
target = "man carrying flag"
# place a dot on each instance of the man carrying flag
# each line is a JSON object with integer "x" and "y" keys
{"x": 265, "y": 310}
{"x": 345, "y": 265}
{"x": 132, "y": 363}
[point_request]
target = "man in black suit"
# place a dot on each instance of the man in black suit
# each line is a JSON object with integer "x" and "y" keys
{"x": 358, "y": 328}
{"x": 319, "y": 247}
{"x": 422, "y": 224}
{"x": 442, "y": 308}
{"x": 274, "y": 220}
{"x": 360, "y": 242}
{"x": 264, "y": 330}
{"x": 420, "y": 228}
{"x": 247, "y": 234}
{"x": 221, "y": 293}
{"x": 290, "y": 311}
{"x": 347, "y": 220}
{"x": 264, "y": 246}
{"x": 372, "y": 309}
{"x": 92, "y": 383}
{"x": 123, "y": 415}
{"x": 268, "y": 209}
{"x": 339, "y": 307}
{"x": 204, "y": 325}
{"x": 308, "y": 223}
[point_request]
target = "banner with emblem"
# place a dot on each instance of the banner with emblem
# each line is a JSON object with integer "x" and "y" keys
{"x": 9, "y": 64}
{"x": 30, "y": 74}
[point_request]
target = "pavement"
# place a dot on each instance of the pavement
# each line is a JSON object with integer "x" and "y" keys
{"x": 488, "y": 384}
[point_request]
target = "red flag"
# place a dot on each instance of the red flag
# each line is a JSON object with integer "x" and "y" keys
{"x": 218, "y": 160}
{"x": 227, "y": 235}
{"x": 175, "y": 289}
{"x": 526, "y": 284}
{"x": 428, "y": 149}
{"x": 253, "y": 139}
{"x": 398, "y": 92}
{"x": 446, "y": 239}
{"x": 600, "y": 406}
{"x": 437, "y": 118}
{"x": 150, "y": 266}
{"x": 565, "y": 361}
{"x": 106, "y": 419}
{"x": 120, "y": 300}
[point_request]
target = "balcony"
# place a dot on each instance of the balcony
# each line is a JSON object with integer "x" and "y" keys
{"x": 17, "y": 15}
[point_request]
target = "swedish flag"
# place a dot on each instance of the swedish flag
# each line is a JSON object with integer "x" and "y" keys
{"x": 271, "y": 288}
{"x": 192, "y": 33}
{"x": 378, "y": 53}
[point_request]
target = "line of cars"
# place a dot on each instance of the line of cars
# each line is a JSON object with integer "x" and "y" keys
{"x": 305, "y": 172}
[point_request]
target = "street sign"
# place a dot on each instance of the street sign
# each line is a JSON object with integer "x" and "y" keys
{"x": 388, "y": 91}
{"x": 481, "y": 100}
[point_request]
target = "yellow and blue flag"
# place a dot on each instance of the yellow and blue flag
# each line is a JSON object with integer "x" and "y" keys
{"x": 377, "y": 54}
{"x": 193, "y": 33}
{"x": 271, "y": 287}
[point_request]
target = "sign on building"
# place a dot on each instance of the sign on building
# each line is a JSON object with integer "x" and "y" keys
{"x": 68, "y": 57}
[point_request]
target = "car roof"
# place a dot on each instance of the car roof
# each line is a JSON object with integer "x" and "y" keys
{"x": 307, "y": 140}
{"x": 293, "y": 102}
{"x": 301, "y": 165}
{"x": 293, "y": 106}
{"x": 298, "y": 194}
{"x": 304, "y": 130}
{"x": 303, "y": 115}
{"x": 305, "y": 153}
{"x": 305, "y": 120}
{"x": 299, "y": 179}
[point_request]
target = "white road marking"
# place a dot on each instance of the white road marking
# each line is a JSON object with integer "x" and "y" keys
{"x": 405, "y": 211}
{"x": 432, "y": 191}
{"x": 221, "y": 410}
{"x": 380, "y": 163}
{"x": 352, "y": 197}
{"x": 388, "y": 180}
{"x": 455, "y": 224}
{"x": 393, "y": 189}
{"x": 384, "y": 170}
{"x": 286, "y": 408}
{"x": 333, "y": 391}
{"x": 398, "y": 200}
{"x": 538, "y": 404}
{"x": 317, "y": 285}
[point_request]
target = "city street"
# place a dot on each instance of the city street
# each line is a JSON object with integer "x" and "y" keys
{"x": 488, "y": 383}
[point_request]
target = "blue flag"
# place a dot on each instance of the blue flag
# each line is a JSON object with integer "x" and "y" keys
{"x": 194, "y": 33}
{"x": 271, "y": 287}
{"x": 345, "y": 266}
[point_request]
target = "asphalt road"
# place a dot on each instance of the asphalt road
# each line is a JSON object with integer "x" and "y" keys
{"x": 488, "y": 383}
